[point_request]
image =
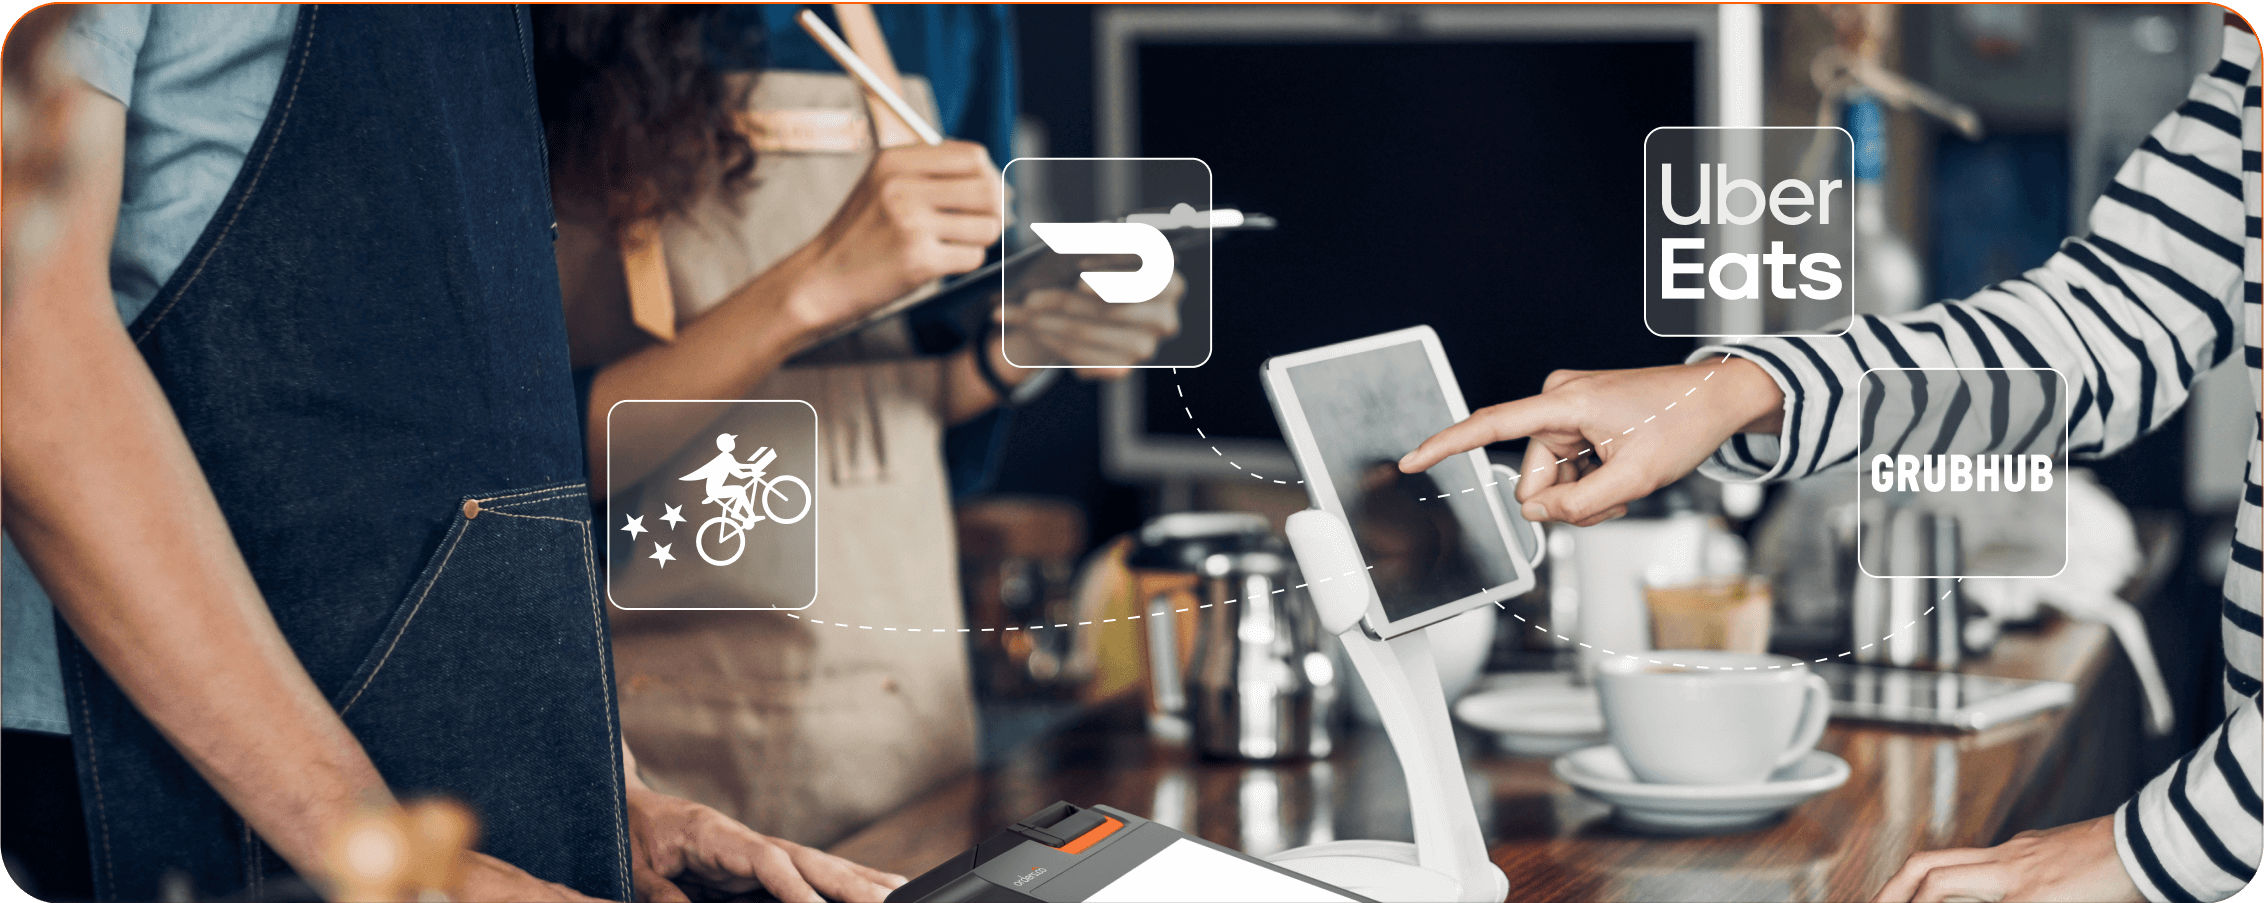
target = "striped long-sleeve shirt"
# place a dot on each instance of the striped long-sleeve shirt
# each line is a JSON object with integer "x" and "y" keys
{"x": 2164, "y": 287}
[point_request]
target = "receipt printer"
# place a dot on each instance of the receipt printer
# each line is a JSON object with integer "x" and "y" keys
{"x": 1072, "y": 854}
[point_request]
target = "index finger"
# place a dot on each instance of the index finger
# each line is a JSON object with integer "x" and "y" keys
{"x": 779, "y": 874}
{"x": 1502, "y": 422}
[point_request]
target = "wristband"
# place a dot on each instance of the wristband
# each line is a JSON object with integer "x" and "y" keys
{"x": 1010, "y": 396}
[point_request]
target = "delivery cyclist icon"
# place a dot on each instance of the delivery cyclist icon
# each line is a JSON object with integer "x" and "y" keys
{"x": 738, "y": 500}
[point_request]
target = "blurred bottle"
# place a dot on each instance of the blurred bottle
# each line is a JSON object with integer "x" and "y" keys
{"x": 1917, "y": 619}
{"x": 1886, "y": 278}
{"x": 1167, "y": 559}
{"x": 1261, "y": 685}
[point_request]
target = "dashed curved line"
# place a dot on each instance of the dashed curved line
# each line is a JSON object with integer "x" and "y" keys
{"x": 822, "y": 622}
{"x": 1189, "y": 411}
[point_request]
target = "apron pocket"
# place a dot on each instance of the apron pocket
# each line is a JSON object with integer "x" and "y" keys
{"x": 492, "y": 683}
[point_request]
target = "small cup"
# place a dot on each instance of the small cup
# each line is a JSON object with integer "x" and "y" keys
{"x": 1730, "y": 614}
{"x": 1711, "y": 717}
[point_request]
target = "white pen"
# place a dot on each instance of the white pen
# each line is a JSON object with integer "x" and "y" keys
{"x": 839, "y": 50}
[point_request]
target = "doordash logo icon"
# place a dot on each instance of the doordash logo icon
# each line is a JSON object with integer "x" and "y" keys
{"x": 1139, "y": 239}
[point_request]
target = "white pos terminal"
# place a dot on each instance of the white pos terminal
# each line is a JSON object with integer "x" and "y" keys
{"x": 1388, "y": 556}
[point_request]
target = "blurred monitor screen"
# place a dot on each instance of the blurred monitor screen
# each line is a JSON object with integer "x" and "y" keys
{"x": 1488, "y": 188}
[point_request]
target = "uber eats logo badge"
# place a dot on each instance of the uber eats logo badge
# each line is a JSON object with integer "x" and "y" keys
{"x": 1747, "y": 230}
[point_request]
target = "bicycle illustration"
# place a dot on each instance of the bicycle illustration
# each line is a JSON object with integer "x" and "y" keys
{"x": 739, "y": 500}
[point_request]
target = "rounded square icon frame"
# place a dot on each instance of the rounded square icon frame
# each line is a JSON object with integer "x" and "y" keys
{"x": 1848, "y": 281}
{"x": 2067, "y": 507}
{"x": 816, "y": 442}
{"x": 1210, "y": 298}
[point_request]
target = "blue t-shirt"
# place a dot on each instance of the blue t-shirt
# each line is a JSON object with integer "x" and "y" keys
{"x": 196, "y": 80}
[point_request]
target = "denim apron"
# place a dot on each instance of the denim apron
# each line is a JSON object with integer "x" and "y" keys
{"x": 367, "y": 353}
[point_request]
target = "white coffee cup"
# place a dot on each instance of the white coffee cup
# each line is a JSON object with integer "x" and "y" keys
{"x": 1705, "y": 717}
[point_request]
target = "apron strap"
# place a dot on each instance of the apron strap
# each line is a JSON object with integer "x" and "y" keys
{"x": 644, "y": 266}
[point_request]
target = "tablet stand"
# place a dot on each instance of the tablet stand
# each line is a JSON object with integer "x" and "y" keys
{"x": 1448, "y": 859}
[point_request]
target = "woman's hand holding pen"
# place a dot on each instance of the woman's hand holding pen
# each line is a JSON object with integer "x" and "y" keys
{"x": 1584, "y": 463}
{"x": 920, "y": 213}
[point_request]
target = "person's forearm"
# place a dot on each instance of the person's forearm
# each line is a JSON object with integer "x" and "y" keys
{"x": 721, "y": 355}
{"x": 1750, "y": 396}
{"x": 918, "y": 213}
{"x": 105, "y": 500}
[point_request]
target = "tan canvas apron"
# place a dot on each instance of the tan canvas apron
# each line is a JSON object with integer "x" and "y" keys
{"x": 801, "y": 728}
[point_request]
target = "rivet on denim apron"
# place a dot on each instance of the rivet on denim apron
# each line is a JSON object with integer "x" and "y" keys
{"x": 367, "y": 352}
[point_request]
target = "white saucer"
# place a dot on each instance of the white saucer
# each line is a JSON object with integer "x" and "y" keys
{"x": 1540, "y": 715}
{"x": 1696, "y": 808}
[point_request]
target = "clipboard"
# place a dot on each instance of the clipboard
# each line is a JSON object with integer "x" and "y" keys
{"x": 979, "y": 282}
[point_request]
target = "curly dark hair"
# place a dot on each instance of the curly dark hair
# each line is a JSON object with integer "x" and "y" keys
{"x": 636, "y": 105}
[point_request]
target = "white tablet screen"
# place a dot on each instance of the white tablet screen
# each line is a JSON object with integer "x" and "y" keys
{"x": 1430, "y": 539}
{"x": 1187, "y": 872}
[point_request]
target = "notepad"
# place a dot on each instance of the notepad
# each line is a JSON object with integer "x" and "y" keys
{"x": 975, "y": 284}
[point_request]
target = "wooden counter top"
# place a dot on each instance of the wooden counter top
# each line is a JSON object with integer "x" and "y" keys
{"x": 1909, "y": 790}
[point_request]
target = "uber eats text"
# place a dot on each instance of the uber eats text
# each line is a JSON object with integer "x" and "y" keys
{"x": 1740, "y": 276}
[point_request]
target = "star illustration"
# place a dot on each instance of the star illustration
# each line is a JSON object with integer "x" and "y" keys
{"x": 636, "y": 526}
{"x": 661, "y": 555}
{"x": 674, "y": 515}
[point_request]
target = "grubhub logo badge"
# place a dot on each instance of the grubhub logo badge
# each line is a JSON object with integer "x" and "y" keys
{"x": 1944, "y": 451}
